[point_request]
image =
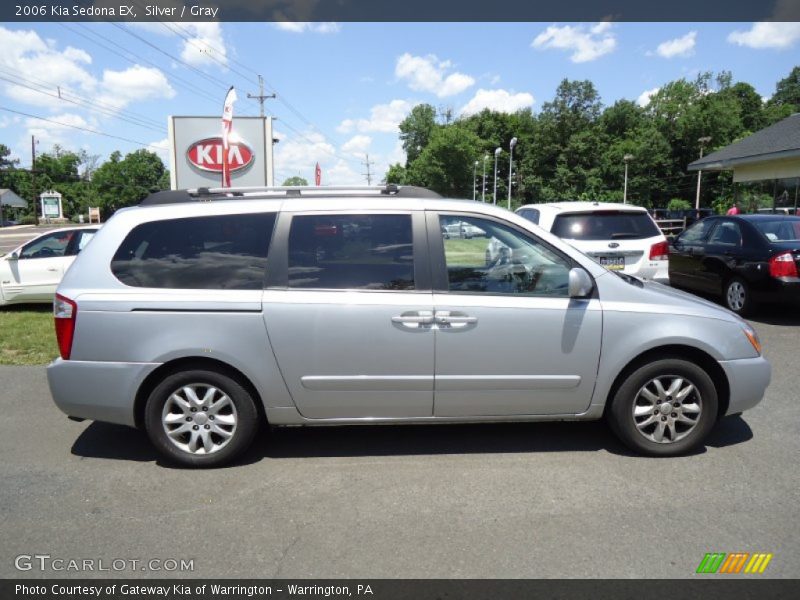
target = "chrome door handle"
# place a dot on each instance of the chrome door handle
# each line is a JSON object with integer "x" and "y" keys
{"x": 414, "y": 319}
{"x": 454, "y": 319}
{"x": 52, "y": 269}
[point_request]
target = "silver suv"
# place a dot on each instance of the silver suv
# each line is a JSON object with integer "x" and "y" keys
{"x": 199, "y": 316}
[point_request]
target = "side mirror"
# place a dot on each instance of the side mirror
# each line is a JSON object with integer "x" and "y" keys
{"x": 13, "y": 256}
{"x": 580, "y": 284}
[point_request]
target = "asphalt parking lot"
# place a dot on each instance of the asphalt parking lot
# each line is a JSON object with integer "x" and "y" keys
{"x": 487, "y": 501}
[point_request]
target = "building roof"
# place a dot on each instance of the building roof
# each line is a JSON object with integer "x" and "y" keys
{"x": 778, "y": 141}
{"x": 9, "y": 198}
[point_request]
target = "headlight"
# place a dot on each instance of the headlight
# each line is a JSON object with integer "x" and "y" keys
{"x": 752, "y": 336}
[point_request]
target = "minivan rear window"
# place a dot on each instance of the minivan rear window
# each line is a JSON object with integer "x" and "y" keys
{"x": 605, "y": 225}
{"x": 227, "y": 252}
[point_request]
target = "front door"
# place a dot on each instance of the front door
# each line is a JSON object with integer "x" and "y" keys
{"x": 509, "y": 340}
{"x": 351, "y": 323}
{"x": 37, "y": 271}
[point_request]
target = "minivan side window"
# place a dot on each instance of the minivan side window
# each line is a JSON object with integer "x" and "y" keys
{"x": 351, "y": 251}
{"x": 505, "y": 261}
{"x": 221, "y": 252}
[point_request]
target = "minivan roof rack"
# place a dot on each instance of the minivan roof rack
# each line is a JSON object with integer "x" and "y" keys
{"x": 236, "y": 193}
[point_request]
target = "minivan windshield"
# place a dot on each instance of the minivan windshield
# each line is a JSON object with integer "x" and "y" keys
{"x": 605, "y": 225}
{"x": 785, "y": 229}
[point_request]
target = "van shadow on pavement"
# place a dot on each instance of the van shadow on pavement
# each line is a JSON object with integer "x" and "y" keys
{"x": 116, "y": 442}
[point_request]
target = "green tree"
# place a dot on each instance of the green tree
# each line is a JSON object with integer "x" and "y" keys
{"x": 396, "y": 174}
{"x": 127, "y": 181}
{"x": 679, "y": 204}
{"x": 296, "y": 180}
{"x": 445, "y": 164}
{"x": 416, "y": 130}
{"x": 787, "y": 90}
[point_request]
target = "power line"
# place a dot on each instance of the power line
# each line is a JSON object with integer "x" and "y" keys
{"x": 59, "y": 96}
{"x": 185, "y": 83}
{"x": 86, "y": 129}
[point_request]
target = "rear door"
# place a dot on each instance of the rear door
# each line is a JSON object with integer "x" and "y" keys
{"x": 509, "y": 340}
{"x": 687, "y": 253}
{"x": 349, "y": 313}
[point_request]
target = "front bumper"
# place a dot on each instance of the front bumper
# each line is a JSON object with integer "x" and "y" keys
{"x": 748, "y": 379}
{"x": 100, "y": 391}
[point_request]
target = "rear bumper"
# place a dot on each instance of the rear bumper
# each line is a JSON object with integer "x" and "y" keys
{"x": 748, "y": 379}
{"x": 100, "y": 391}
{"x": 786, "y": 289}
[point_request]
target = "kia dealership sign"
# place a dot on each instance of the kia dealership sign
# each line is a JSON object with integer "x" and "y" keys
{"x": 196, "y": 152}
{"x": 206, "y": 155}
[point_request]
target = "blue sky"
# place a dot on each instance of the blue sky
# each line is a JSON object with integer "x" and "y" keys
{"x": 344, "y": 87}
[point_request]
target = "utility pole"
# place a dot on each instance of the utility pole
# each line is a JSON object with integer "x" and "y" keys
{"x": 33, "y": 181}
{"x": 702, "y": 141}
{"x": 260, "y": 96}
{"x": 368, "y": 174}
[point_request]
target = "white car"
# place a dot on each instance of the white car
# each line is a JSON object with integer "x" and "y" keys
{"x": 31, "y": 272}
{"x": 620, "y": 237}
{"x": 462, "y": 229}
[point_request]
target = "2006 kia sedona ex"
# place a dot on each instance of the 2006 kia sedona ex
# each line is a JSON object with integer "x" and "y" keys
{"x": 200, "y": 315}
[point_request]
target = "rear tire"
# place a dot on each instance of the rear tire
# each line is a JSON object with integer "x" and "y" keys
{"x": 664, "y": 408}
{"x": 738, "y": 297}
{"x": 200, "y": 418}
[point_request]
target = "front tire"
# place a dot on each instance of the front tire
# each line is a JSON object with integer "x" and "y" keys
{"x": 200, "y": 418}
{"x": 738, "y": 297}
{"x": 664, "y": 408}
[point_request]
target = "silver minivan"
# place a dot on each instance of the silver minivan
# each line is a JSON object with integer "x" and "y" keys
{"x": 201, "y": 315}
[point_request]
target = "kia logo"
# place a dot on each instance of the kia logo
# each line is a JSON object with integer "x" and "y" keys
{"x": 206, "y": 155}
{"x": 613, "y": 245}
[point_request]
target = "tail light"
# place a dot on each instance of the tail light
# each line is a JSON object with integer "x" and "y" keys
{"x": 65, "y": 312}
{"x": 659, "y": 251}
{"x": 782, "y": 265}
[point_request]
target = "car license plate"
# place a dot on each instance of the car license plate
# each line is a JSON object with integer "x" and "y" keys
{"x": 613, "y": 263}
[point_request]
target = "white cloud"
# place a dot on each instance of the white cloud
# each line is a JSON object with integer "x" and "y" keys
{"x": 136, "y": 83}
{"x": 357, "y": 145}
{"x": 43, "y": 66}
{"x": 302, "y": 27}
{"x": 161, "y": 147}
{"x": 497, "y": 100}
{"x": 383, "y": 117}
{"x": 778, "y": 35}
{"x": 645, "y": 97}
{"x": 299, "y": 154}
{"x": 682, "y": 46}
{"x": 205, "y": 46}
{"x": 427, "y": 74}
{"x": 60, "y": 129}
{"x": 586, "y": 43}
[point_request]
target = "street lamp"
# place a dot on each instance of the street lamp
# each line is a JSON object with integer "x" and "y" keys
{"x": 474, "y": 182}
{"x": 702, "y": 141}
{"x": 483, "y": 194}
{"x": 496, "y": 154}
{"x": 510, "y": 169}
{"x": 626, "y": 158}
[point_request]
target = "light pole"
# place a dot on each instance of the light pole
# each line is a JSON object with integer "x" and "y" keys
{"x": 703, "y": 141}
{"x": 483, "y": 194}
{"x": 474, "y": 182}
{"x": 510, "y": 168}
{"x": 496, "y": 155}
{"x": 626, "y": 158}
